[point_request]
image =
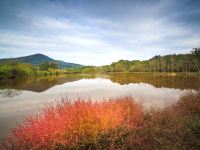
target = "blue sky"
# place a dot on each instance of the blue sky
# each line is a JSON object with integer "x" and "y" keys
{"x": 98, "y": 32}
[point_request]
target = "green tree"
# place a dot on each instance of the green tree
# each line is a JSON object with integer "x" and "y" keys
{"x": 196, "y": 53}
{"x": 45, "y": 66}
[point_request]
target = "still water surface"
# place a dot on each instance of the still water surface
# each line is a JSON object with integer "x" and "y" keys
{"x": 23, "y": 97}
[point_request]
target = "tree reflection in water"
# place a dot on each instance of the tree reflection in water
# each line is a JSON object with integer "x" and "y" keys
{"x": 9, "y": 93}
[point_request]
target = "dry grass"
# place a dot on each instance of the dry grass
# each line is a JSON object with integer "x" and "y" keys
{"x": 175, "y": 127}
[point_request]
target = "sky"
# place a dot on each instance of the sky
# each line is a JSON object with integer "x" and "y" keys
{"x": 98, "y": 32}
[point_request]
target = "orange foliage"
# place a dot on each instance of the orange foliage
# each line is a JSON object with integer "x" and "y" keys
{"x": 71, "y": 122}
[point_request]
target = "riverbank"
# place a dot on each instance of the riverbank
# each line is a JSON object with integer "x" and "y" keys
{"x": 19, "y": 70}
{"x": 119, "y": 123}
{"x": 161, "y": 73}
{"x": 14, "y": 71}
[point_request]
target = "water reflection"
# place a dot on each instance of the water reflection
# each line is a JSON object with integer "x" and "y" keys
{"x": 159, "y": 80}
{"x": 40, "y": 84}
{"x": 9, "y": 93}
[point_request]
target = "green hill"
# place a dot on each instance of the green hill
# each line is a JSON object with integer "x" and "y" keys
{"x": 38, "y": 59}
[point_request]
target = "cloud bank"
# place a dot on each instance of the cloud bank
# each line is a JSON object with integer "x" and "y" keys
{"x": 93, "y": 32}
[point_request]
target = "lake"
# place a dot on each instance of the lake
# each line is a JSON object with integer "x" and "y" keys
{"x": 22, "y": 97}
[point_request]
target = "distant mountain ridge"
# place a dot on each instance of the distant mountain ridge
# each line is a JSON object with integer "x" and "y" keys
{"x": 37, "y": 59}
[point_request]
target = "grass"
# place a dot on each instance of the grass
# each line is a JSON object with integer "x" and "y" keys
{"x": 117, "y": 123}
{"x": 175, "y": 127}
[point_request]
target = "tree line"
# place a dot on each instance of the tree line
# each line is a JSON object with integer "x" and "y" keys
{"x": 168, "y": 63}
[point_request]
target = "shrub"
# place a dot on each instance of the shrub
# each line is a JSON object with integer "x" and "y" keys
{"x": 174, "y": 127}
{"x": 6, "y": 72}
{"x": 79, "y": 125}
{"x": 15, "y": 70}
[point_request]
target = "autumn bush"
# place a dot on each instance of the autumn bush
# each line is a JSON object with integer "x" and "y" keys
{"x": 82, "y": 124}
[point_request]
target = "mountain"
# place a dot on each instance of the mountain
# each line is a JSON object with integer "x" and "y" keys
{"x": 38, "y": 59}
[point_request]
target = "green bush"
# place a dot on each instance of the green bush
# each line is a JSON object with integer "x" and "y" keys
{"x": 16, "y": 70}
{"x": 6, "y": 72}
{"x": 89, "y": 70}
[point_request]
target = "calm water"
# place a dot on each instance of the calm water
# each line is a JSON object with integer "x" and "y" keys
{"x": 22, "y": 97}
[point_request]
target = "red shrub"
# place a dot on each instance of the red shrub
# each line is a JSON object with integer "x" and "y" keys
{"x": 68, "y": 123}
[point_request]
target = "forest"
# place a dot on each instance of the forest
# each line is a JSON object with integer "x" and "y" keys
{"x": 168, "y": 63}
